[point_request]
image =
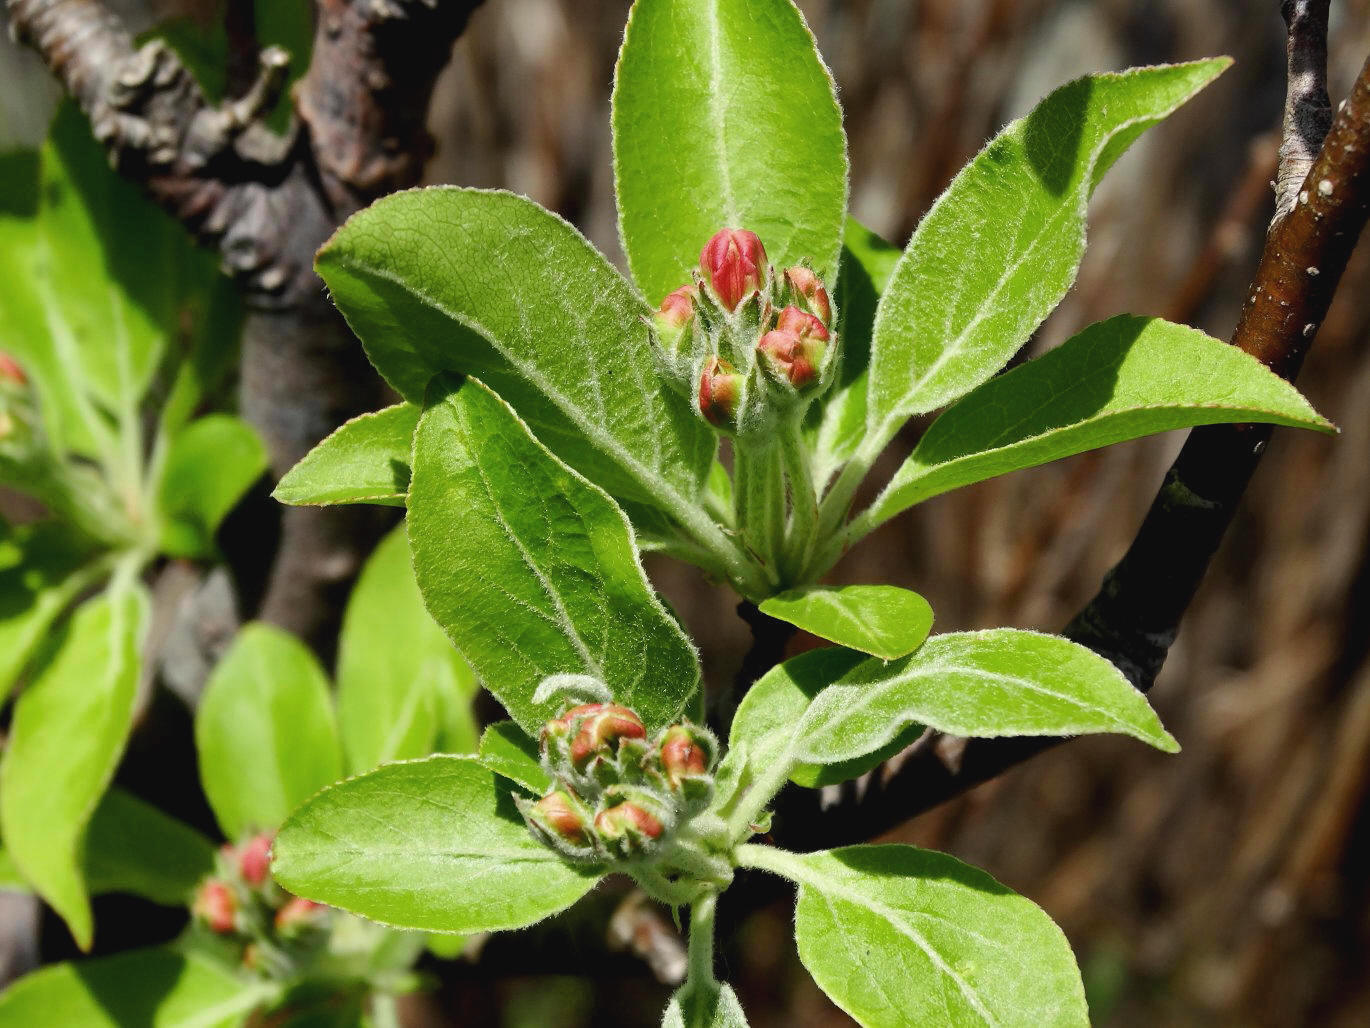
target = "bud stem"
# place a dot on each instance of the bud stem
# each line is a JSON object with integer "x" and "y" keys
{"x": 701, "y": 951}
{"x": 802, "y": 533}
{"x": 759, "y": 493}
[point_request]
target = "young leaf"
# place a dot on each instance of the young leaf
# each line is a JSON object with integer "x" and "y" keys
{"x": 711, "y": 1005}
{"x": 1000, "y": 247}
{"x": 992, "y": 683}
{"x": 133, "y": 847}
{"x": 883, "y": 620}
{"x": 433, "y": 844}
{"x": 724, "y": 115}
{"x": 1117, "y": 380}
{"x": 70, "y": 726}
{"x": 265, "y": 732}
{"x": 490, "y": 284}
{"x": 208, "y": 468}
{"x": 508, "y": 751}
{"x": 394, "y": 663}
{"x": 158, "y": 988}
{"x": 898, "y": 935}
{"x": 364, "y": 461}
{"x": 531, "y": 569}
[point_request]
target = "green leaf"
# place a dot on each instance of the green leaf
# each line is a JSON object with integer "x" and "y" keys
{"x": 725, "y": 115}
{"x": 712, "y": 1005}
{"x": 490, "y": 284}
{"x": 133, "y": 847}
{"x": 1117, "y": 380}
{"x": 433, "y": 844}
{"x": 265, "y": 732}
{"x": 209, "y": 467}
{"x": 531, "y": 569}
{"x": 993, "y": 683}
{"x": 154, "y": 988}
{"x": 883, "y": 620}
{"x": 69, "y": 729}
{"x": 394, "y": 664}
{"x": 1000, "y": 247}
{"x": 838, "y": 424}
{"x": 507, "y": 750}
{"x": 899, "y": 936}
{"x": 364, "y": 461}
{"x": 43, "y": 567}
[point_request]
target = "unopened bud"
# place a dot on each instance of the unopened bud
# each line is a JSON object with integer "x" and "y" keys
{"x": 298, "y": 916}
{"x": 254, "y": 859}
{"x": 683, "y": 754}
{"x": 677, "y": 309}
{"x": 808, "y": 286}
{"x": 627, "y": 821}
{"x": 216, "y": 906}
{"x": 734, "y": 262}
{"x": 796, "y": 346}
{"x": 719, "y": 387}
{"x": 10, "y": 371}
{"x": 601, "y": 726}
{"x": 558, "y": 814}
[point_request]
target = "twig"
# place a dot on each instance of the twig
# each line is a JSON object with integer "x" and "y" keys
{"x": 1135, "y": 616}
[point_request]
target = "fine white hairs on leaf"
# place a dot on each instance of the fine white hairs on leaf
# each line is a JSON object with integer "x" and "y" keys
{"x": 572, "y": 687}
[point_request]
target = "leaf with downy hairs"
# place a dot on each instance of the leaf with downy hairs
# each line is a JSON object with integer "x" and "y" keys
{"x": 713, "y": 1005}
{"x": 1117, "y": 380}
{"x": 1001, "y": 246}
{"x": 434, "y": 844}
{"x": 508, "y": 751}
{"x": 364, "y": 461}
{"x": 904, "y": 936}
{"x": 725, "y": 116}
{"x": 883, "y": 620}
{"x": 531, "y": 569}
{"x": 490, "y": 284}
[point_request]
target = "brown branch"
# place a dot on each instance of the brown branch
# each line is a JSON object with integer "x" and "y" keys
{"x": 1136, "y": 615}
{"x": 266, "y": 204}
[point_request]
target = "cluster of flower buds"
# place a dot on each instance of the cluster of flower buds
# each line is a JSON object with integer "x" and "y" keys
{"x": 746, "y": 343}
{"x": 241, "y": 902}
{"x": 619, "y": 796}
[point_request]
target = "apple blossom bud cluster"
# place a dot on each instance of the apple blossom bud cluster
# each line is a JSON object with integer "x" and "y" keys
{"x": 747, "y": 343}
{"x": 618, "y": 796}
{"x": 241, "y": 903}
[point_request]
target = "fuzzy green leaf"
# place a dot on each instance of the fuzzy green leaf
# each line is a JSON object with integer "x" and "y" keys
{"x": 265, "y": 731}
{"x": 209, "y": 467}
{"x": 713, "y": 1005}
{"x": 133, "y": 847}
{"x": 433, "y": 844}
{"x": 531, "y": 569}
{"x": 395, "y": 667}
{"x": 507, "y": 750}
{"x": 69, "y": 729}
{"x": 993, "y": 683}
{"x": 725, "y": 115}
{"x": 883, "y": 620}
{"x": 1001, "y": 246}
{"x": 1117, "y": 380}
{"x": 153, "y": 988}
{"x": 903, "y": 936}
{"x": 490, "y": 284}
{"x": 364, "y": 461}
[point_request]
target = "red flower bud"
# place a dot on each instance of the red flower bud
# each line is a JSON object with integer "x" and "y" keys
{"x": 254, "y": 859}
{"x": 299, "y": 914}
{"x": 677, "y": 308}
{"x": 602, "y": 725}
{"x": 216, "y": 906}
{"x": 718, "y": 389}
{"x": 627, "y": 819}
{"x": 796, "y": 345}
{"x": 808, "y": 285}
{"x": 734, "y": 261}
{"x": 10, "y": 371}
{"x": 558, "y": 814}
{"x": 681, "y": 755}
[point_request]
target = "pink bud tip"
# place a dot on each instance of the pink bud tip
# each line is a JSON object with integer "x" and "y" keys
{"x": 298, "y": 912}
{"x": 718, "y": 391}
{"x": 254, "y": 859}
{"x": 10, "y": 371}
{"x": 735, "y": 263}
{"x": 627, "y": 817}
{"x": 677, "y": 308}
{"x": 796, "y": 345}
{"x": 557, "y": 812}
{"x": 681, "y": 755}
{"x": 602, "y": 725}
{"x": 808, "y": 285}
{"x": 804, "y": 325}
{"x": 216, "y": 906}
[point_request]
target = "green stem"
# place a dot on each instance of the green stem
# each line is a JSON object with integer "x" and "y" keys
{"x": 754, "y": 799}
{"x": 759, "y": 496}
{"x": 701, "y": 954}
{"x": 803, "y": 527}
{"x": 776, "y": 861}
